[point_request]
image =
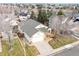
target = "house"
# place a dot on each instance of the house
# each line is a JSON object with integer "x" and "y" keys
{"x": 76, "y": 19}
{"x": 74, "y": 26}
{"x": 33, "y": 30}
{"x": 58, "y": 23}
{"x": 75, "y": 31}
{"x": 23, "y": 15}
{"x": 65, "y": 23}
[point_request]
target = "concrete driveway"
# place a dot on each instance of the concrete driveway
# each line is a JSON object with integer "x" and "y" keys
{"x": 44, "y": 48}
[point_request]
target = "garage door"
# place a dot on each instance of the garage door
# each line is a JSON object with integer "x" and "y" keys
{"x": 39, "y": 36}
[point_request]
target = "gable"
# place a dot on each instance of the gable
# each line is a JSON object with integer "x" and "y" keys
{"x": 29, "y": 27}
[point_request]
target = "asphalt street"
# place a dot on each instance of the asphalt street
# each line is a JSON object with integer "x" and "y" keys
{"x": 69, "y": 52}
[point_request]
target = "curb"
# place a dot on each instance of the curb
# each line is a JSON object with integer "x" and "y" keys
{"x": 58, "y": 50}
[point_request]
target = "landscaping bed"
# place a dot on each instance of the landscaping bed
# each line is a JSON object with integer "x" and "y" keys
{"x": 61, "y": 41}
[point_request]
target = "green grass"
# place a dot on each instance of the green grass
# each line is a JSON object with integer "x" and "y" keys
{"x": 17, "y": 49}
{"x": 31, "y": 50}
{"x": 5, "y": 49}
{"x": 61, "y": 41}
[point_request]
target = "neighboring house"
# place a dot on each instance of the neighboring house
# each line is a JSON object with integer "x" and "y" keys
{"x": 75, "y": 31}
{"x": 65, "y": 23}
{"x": 74, "y": 26}
{"x": 24, "y": 16}
{"x": 76, "y": 19}
{"x": 58, "y": 22}
{"x": 33, "y": 30}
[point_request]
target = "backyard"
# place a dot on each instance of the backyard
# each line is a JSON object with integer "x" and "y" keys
{"x": 17, "y": 49}
{"x": 60, "y": 41}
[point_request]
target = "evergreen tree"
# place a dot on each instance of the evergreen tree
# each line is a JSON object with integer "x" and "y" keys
{"x": 32, "y": 15}
{"x": 49, "y": 13}
{"x": 60, "y": 12}
{"x": 42, "y": 16}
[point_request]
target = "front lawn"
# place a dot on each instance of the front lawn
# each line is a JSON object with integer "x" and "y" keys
{"x": 5, "y": 48}
{"x": 31, "y": 50}
{"x": 61, "y": 41}
{"x": 17, "y": 49}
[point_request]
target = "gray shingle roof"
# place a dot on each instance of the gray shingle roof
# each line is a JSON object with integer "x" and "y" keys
{"x": 28, "y": 27}
{"x": 43, "y": 29}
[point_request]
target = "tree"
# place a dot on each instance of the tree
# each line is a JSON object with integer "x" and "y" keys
{"x": 16, "y": 12}
{"x": 49, "y": 13}
{"x": 32, "y": 6}
{"x": 39, "y": 6}
{"x": 42, "y": 16}
{"x": 32, "y": 15}
{"x": 60, "y": 12}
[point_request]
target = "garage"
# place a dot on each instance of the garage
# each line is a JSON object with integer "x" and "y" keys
{"x": 39, "y": 36}
{"x": 33, "y": 34}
